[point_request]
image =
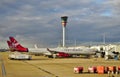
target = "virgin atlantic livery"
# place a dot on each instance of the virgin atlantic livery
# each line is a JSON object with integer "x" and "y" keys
{"x": 51, "y": 52}
{"x": 15, "y": 46}
{"x": 71, "y": 52}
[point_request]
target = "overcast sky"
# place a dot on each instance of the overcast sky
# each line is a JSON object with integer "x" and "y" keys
{"x": 39, "y": 21}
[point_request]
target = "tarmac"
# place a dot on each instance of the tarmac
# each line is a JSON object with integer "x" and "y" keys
{"x": 41, "y": 66}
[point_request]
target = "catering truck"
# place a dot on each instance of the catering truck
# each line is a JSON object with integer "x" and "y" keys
{"x": 19, "y": 56}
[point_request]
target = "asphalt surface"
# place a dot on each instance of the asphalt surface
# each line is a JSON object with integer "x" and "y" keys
{"x": 41, "y": 66}
{"x": 2, "y": 67}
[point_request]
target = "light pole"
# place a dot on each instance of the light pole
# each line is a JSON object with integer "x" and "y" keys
{"x": 64, "y": 23}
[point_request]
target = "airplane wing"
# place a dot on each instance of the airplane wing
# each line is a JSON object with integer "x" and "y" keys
{"x": 52, "y": 51}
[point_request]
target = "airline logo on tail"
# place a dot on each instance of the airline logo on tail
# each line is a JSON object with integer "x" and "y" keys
{"x": 15, "y": 46}
{"x": 10, "y": 46}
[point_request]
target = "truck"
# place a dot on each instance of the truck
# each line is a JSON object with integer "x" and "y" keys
{"x": 19, "y": 56}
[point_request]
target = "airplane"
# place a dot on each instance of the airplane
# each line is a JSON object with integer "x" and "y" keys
{"x": 52, "y": 52}
{"x": 71, "y": 52}
{"x": 3, "y": 49}
{"x": 15, "y": 46}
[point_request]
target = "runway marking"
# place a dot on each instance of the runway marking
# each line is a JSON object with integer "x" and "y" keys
{"x": 41, "y": 69}
{"x": 2, "y": 67}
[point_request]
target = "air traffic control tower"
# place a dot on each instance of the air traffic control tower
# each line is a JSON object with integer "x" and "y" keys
{"x": 64, "y": 23}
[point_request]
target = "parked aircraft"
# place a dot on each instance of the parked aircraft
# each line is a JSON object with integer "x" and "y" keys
{"x": 71, "y": 52}
{"x": 3, "y": 50}
{"x": 50, "y": 52}
{"x": 15, "y": 46}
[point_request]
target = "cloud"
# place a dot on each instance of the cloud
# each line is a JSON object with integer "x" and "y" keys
{"x": 38, "y": 21}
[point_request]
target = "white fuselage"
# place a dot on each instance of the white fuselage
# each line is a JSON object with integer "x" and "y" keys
{"x": 71, "y": 51}
{"x": 75, "y": 51}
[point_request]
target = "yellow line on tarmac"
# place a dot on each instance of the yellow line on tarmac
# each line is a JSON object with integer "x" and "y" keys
{"x": 2, "y": 67}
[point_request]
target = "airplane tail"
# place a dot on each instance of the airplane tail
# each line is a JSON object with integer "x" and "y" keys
{"x": 15, "y": 46}
{"x": 10, "y": 46}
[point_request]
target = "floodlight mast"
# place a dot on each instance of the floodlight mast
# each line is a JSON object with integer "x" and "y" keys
{"x": 64, "y": 23}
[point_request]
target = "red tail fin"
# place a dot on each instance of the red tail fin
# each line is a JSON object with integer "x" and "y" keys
{"x": 13, "y": 40}
{"x": 9, "y": 44}
{"x": 15, "y": 45}
{"x": 11, "y": 47}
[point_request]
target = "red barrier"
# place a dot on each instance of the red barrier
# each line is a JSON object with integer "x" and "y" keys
{"x": 78, "y": 69}
{"x": 100, "y": 69}
{"x": 112, "y": 69}
{"x": 92, "y": 69}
